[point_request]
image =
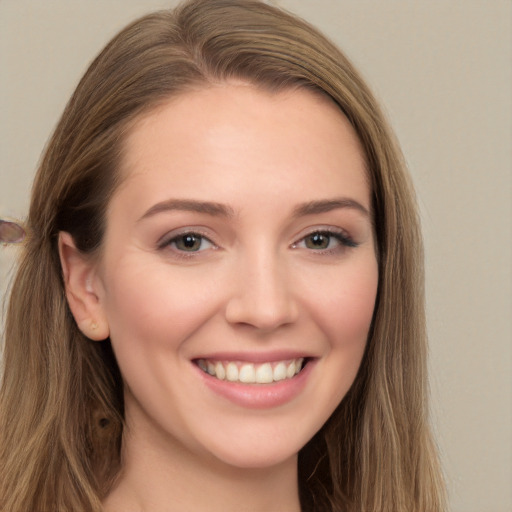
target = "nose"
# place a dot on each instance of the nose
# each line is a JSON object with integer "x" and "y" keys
{"x": 262, "y": 295}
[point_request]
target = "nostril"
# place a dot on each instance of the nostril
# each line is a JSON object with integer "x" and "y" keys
{"x": 263, "y": 313}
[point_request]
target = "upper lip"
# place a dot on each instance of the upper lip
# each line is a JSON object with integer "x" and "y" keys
{"x": 255, "y": 357}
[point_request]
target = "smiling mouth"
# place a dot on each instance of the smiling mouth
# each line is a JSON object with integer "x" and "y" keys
{"x": 250, "y": 373}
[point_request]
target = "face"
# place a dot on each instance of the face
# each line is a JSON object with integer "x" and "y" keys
{"x": 238, "y": 275}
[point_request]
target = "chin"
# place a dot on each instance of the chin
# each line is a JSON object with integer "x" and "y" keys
{"x": 259, "y": 448}
{"x": 258, "y": 459}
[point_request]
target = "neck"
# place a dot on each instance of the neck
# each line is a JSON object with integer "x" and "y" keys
{"x": 156, "y": 478}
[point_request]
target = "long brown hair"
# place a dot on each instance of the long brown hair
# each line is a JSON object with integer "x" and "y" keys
{"x": 61, "y": 398}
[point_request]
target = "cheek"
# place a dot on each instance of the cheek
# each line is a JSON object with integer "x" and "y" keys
{"x": 343, "y": 308}
{"x": 345, "y": 316}
{"x": 161, "y": 307}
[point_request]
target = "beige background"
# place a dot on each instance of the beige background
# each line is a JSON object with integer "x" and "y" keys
{"x": 443, "y": 71}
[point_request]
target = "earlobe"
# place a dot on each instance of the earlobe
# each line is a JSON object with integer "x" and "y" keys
{"x": 81, "y": 285}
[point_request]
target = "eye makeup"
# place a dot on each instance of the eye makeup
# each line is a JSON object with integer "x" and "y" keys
{"x": 324, "y": 239}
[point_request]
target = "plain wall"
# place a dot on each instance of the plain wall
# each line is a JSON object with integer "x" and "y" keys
{"x": 442, "y": 69}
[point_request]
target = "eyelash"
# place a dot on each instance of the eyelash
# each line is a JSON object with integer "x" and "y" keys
{"x": 169, "y": 242}
{"x": 344, "y": 241}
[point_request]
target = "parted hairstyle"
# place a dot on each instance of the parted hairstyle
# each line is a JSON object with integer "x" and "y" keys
{"x": 61, "y": 397}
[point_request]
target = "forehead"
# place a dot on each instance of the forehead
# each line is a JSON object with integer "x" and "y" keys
{"x": 237, "y": 135}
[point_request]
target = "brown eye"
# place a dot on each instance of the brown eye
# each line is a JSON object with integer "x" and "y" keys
{"x": 189, "y": 242}
{"x": 325, "y": 241}
{"x": 318, "y": 241}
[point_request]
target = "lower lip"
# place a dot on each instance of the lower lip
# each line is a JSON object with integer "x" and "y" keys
{"x": 259, "y": 396}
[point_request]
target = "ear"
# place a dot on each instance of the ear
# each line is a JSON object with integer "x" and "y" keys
{"x": 82, "y": 285}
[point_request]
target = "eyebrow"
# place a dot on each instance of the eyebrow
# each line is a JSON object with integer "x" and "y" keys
{"x": 327, "y": 205}
{"x": 221, "y": 210}
{"x": 190, "y": 205}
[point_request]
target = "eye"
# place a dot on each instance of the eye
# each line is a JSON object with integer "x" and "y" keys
{"x": 318, "y": 241}
{"x": 188, "y": 242}
{"x": 325, "y": 240}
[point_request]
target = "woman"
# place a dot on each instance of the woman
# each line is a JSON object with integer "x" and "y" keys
{"x": 219, "y": 304}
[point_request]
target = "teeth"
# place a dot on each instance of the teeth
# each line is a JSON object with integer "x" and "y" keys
{"x": 210, "y": 368}
{"x": 220, "y": 373}
{"x": 248, "y": 373}
{"x": 280, "y": 371}
{"x": 232, "y": 372}
{"x": 264, "y": 374}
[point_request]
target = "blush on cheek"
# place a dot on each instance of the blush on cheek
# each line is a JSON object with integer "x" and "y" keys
{"x": 159, "y": 310}
{"x": 349, "y": 312}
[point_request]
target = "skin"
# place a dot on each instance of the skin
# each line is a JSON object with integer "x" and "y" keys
{"x": 258, "y": 284}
